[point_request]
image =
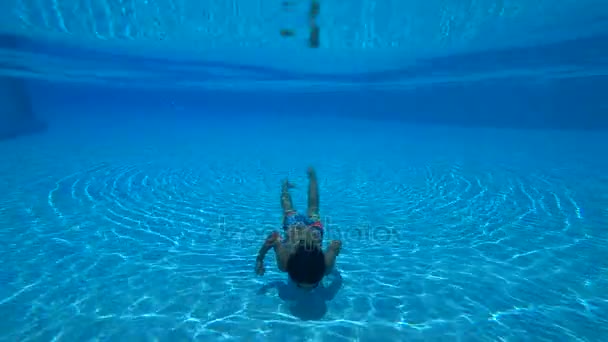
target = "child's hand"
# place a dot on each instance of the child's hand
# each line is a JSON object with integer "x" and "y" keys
{"x": 336, "y": 246}
{"x": 259, "y": 267}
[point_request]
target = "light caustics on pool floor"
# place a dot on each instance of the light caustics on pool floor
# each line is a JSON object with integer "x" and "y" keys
{"x": 163, "y": 249}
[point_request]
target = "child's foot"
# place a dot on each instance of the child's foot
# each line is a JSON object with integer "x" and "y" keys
{"x": 288, "y": 185}
{"x": 311, "y": 172}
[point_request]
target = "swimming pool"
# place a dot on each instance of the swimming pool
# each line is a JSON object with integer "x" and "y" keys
{"x": 459, "y": 162}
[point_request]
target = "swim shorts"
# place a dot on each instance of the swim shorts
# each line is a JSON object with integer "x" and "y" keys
{"x": 294, "y": 219}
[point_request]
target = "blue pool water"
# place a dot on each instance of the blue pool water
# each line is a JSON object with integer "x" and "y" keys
{"x": 449, "y": 234}
{"x": 460, "y": 147}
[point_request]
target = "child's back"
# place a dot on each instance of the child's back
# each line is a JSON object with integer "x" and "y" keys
{"x": 300, "y": 254}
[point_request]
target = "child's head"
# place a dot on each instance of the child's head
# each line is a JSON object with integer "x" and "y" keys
{"x": 306, "y": 266}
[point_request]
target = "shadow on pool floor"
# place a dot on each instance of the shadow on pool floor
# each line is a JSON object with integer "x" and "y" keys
{"x": 306, "y": 305}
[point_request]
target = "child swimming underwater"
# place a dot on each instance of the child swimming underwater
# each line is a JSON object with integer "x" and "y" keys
{"x": 300, "y": 253}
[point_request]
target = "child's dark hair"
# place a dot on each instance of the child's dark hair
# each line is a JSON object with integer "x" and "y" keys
{"x": 306, "y": 265}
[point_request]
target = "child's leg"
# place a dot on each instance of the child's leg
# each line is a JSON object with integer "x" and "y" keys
{"x": 313, "y": 195}
{"x": 286, "y": 201}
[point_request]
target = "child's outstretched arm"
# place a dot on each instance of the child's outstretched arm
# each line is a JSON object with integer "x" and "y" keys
{"x": 272, "y": 241}
{"x": 333, "y": 250}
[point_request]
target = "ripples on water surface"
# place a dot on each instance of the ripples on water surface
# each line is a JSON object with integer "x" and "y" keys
{"x": 356, "y": 36}
{"x": 460, "y": 234}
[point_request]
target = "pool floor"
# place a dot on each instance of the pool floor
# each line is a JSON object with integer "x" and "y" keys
{"x": 148, "y": 231}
